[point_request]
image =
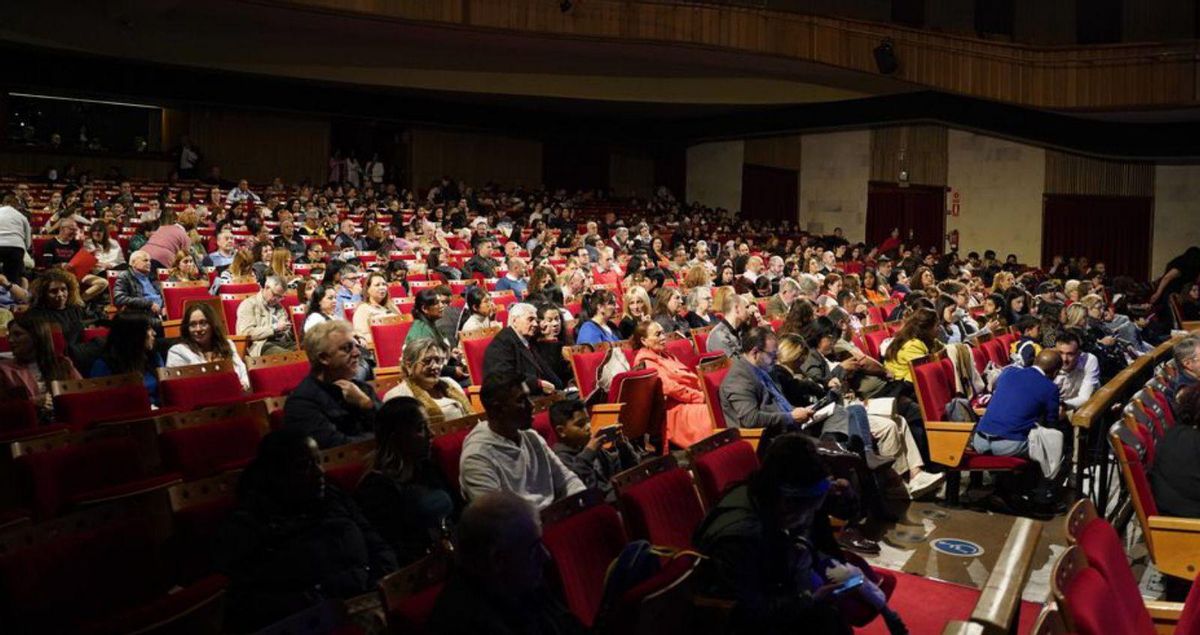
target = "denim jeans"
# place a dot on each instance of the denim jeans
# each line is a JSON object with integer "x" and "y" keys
{"x": 999, "y": 447}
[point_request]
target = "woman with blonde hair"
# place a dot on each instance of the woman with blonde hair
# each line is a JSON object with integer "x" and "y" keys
{"x": 375, "y": 303}
{"x": 185, "y": 268}
{"x": 635, "y": 311}
{"x": 1002, "y": 282}
{"x": 423, "y": 360}
{"x": 281, "y": 266}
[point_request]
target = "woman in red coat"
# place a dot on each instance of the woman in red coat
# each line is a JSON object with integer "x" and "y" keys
{"x": 688, "y": 419}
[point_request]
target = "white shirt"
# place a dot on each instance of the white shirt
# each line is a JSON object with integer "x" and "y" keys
{"x": 1076, "y": 384}
{"x": 490, "y": 462}
{"x": 314, "y": 319}
{"x": 181, "y": 355}
{"x": 14, "y": 228}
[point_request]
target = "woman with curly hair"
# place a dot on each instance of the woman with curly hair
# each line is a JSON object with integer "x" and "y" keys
{"x": 56, "y": 298}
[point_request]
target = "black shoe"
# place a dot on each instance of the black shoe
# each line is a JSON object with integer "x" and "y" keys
{"x": 852, "y": 539}
{"x": 876, "y": 461}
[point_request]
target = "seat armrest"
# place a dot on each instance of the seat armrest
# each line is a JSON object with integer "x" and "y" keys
{"x": 1164, "y": 614}
{"x": 1175, "y": 545}
{"x": 948, "y": 441}
{"x": 171, "y": 328}
{"x": 605, "y": 414}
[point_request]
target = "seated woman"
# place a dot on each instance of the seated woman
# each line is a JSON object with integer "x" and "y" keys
{"x": 688, "y": 420}
{"x": 551, "y": 339}
{"x": 321, "y": 304}
{"x": 186, "y": 269}
{"x": 106, "y": 250}
{"x": 203, "y": 339}
{"x": 637, "y": 309}
{"x": 56, "y": 298}
{"x": 669, "y": 311}
{"x": 917, "y": 338}
{"x": 403, "y": 494}
{"x": 293, "y": 540}
{"x": 599, "y": 306}
{"x": 375, "y": 303}
{"x": 698, "y": 304}
{"x": 34, "y": 364}
{"x": 441, "y": 397}
{"x": 129, "y": 348}
{"x": 480, "y": 312}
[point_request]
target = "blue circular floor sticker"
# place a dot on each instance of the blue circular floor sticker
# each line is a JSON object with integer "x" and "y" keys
{"x": 958, "y": 547}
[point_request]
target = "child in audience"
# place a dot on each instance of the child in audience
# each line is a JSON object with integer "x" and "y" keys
{"x": 1025, "y": 349}
{"x": 583, "y": 450}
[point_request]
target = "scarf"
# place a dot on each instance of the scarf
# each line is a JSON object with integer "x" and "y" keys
{"x": 432, "y": 410}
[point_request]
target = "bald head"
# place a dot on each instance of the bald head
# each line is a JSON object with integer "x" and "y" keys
{"x": 1050, "y": 361}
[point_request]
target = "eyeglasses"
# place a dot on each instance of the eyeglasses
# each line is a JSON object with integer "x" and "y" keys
{"x": 433, "y": 360}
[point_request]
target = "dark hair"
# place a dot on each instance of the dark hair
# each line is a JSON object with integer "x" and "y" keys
{"x": 219, "y": 344}
{"x": 125, "y": 348}
{"x": 314, "y": 300}
{"x": 432, "y": 260}
{"x": 423, "y": 300}
{"x": 789, "y": 459}
{"x": 919, "y": 325}
{"x": 396, "y": 414}
{"x": 1187, "y": 406}
{"x": 52, "y": 365}
{"x": 592, "y": 302}
{"x": 1068, "y": 336}
{"x": 262, "y": 486}
{"x": 562, "y": 411}
{"x": 756, "y": 337}
{"x": 1027, "y": 322}
{"x": 800, "y": 315}
{"x": 944, "y": 300}
{"x": 817, "y": 330}
{"x": 496, "y": 387}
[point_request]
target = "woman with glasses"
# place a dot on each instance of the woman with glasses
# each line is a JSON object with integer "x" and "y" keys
{"x": 441, "y": 398}
{"x": 204, "y": 340}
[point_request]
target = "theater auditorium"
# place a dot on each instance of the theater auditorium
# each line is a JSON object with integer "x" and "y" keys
{"x": 553, "y": 317}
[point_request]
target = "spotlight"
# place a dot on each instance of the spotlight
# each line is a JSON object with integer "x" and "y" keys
{"x": 565, "y": 5}
{"x": 885, "y": 58}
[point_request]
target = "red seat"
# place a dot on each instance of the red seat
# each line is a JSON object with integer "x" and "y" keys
{"x": 585, "y": 364}
{"x": 979, "y": 357}
{"x": 238, "y": 288}
{"x": 94, "y": 332}
{"x": 79, "y": 470}
{"x": 345, "y": 465}
{"x": 212, "y": 440}
{"x": 299, "y": 315}
{"x": 388, "y": 333}
{"x": 229, "y": 307}
{"x": 1105, "y": 553}
{"x": 277, "y": 374}
{"x": 20, "y": 415}
{"x": 112, "y": 398}
{"x": 176, "y": 294}
{"x": 659, "y": 502}
{"x": 210, "y": 383}
{"x": 644, "y": 409}
{"x": 103, "y": 580}
{"x": 874, "y": 340}
{"x": 711, "y": 380}
{"x": 701, "y": 339}
{"x": 720, "y": 462}
{"x": 684, "y": 350}
{"x": 446, "y": 447}
{"x": 933, "y": 381}
{"x": 996, "y": 352}
{"x": 473, "y": 350}
{"x": 199, "y": 508}
{"x": 583, "y": 535}
{"x": 410, "y": 594}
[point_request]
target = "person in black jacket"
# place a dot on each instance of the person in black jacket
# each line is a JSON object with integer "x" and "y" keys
{"x": 403, "y": 495}
{"x": 1175, "y": 477}
{"x": 510, "y": 352}
{"x": 293, "y": 540}
{"x": 583, "y": 451}
{"x": 329, "y": 405}
{"x": 138, "y": 287}
{"x": 482, "y": 262}
{"x": 496, "y": 586}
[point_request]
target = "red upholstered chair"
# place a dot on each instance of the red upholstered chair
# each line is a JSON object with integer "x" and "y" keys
{"x": 996, "y": 352}
{"x": 659, "y": 502}
{"x": 175, "y": 294}
{"x": 409, "y": 595}
{"x": 277, "y": 374}
{"x": 979, "y": 357}
{"x": 94, "y": 332}
{"x": 876, "y": 314}
{"x": 238, "y": 288}
{"x": 643, "y": 405}
{"x": 583, "y": 535}
{"x": 57, "y": 472}
{"x": 1105, "y": 553}
{"x": 874, "y": 338}
{"x": 448, "y": 438}
{"x": 196, "y": 385}
{"x": 100, "y": 578}
{"x": 720, "y": 462}
{"x": 198, "y": 509}
{"x": 1090, "y": 606}
{"x": 474, "y": 344}
{"x": 345, "y": 465}
{"x": 711, "y": 375}
{"x": 683, "y": 349}
{"x": 299, "y": 314}
{"x": 387, "y": 335}
{"x": 81, "y": 402}
{"x": 20, "y": 417}
{"x": 229, "y": 308}
{"x": 396, "y": 290}
{"x": 585, "y": 360}
{"x": 208, "y": 441}
{"x": 700, "y": 336}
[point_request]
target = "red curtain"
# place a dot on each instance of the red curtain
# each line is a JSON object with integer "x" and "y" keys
{"x": 771, "y": 194}
{"x": 917, "y": 209}
{"x": 1112, "y": 229}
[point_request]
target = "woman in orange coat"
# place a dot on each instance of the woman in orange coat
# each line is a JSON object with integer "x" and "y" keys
{"x": 688, "y": 420}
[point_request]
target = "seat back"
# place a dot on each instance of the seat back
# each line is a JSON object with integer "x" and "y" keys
{"x": 874, "y": 339}
{"x": 700, "y": 337}
{"x": 979, "y": 357}
{"x": 933, "y": 380}
{"x": 996, "y": 351}
{"x": 277, "y": 374}
{"x": 79, "y": 402}
{"x": 446, "y": 447}
{"x": 683, "y": 349}
{"x": 209, "y": 441}
{"x": 585, "y": 362}
{"x": 711, "y": 375}
{"x": 239, "y": 287}
{"x": 229, "y": 308}
{"x": 175, "y": 294}
{"x": 345, "y": 465}
{"x": 387, "y": 335}
{"x": 720, "y": 462}
{"x": 49, "y": 479}
{"x": 409, "y": 595}
{"x": 1089, "y": 605}
{"x": 583, "y": 535}
{"x": 1137, "y": 482}
{"x": 474, "y": 345}
{"x": 659, "y": 502}
{"x": 643, "y": 409}
{"x": 1106, "y": 553}
{"x": 196, "y": 385}
{"x": 299, "y": 314}
{"x": 198, "y": 509}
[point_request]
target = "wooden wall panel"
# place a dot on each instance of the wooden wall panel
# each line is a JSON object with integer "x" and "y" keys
{"x": 261, "y": 146}
{"x": 1073, "y": 174}
{"x": 27, "y": 162}
{"x": 921, "y": 150}
{"x": 775, "y": 152}
{"x": 475, "y": 158}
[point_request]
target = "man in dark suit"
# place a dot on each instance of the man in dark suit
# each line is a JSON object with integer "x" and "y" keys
{"x": 750, "y": 398}
{"x": 482, "y": 262}
{"x": 510, "y": 352}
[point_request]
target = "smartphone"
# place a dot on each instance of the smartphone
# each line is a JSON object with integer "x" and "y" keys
{"x": 853, "y": 582}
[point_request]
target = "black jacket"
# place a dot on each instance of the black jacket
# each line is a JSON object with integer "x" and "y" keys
{"x": 467, "y": 608}
{"x": 479, "y": 264}
{"x": 506, "y": 355}
{"x": 408, "y": 515}
{"x": 319, "y": 410}
{"x": 127, "y": 291}
{"x": 1175, "y": 477}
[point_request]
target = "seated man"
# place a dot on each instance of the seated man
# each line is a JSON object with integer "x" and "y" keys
{"x": 515, "y": 279}
{"x": 780, "y": 303}
{"x": 1186, "y": 353}
{"x": 583, "y": 449}
{"x": 1080, "y": 374}
{"x": 505, "y": 453}
{"x": 725, "y": 337}
{"x": 750, "y": 398}
{"x": 329, "y": 405}
{"x": 1023, "y": 397}
{"x": 138, "y": 288}
{"x": 263, "y": 319}
{"x": 482, "y": 262}
{"x": 509, "y": 353}
{"x": 496, "y": 585}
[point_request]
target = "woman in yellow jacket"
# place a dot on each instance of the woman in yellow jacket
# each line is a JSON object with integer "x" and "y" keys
{"x": 917, "y": 338}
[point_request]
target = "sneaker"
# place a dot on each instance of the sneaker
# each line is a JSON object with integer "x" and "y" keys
{"x": 924, "y": 483}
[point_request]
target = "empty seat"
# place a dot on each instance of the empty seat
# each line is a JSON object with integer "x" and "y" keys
{"x": 175, "y": 294}
{"x": 659, "y": 502}
{"x": 711, "y": 375}
{"x": 583, "y": 535}
{"x": 684, "y": 350}
{"x": 643, "y": 405}
{"x": 80, "y": 402}
{"x": 474, "y": 345}
{"x": 410, "y": 594}
{"x": 212, "y": 440}
{"x": 198, "y": 509}
{"x": 210, "y": 383}
{"x": 720, "y": 462}
{"x": 277, "y": 374}
{"x": 585, "y": 362}
{"x": 387, "y": 334}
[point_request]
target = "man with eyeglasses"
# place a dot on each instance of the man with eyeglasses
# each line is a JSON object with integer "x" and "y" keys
{"x": 263, "y": 319}
{"x": 750, "y": 398}
{"x": 329, "y": 405}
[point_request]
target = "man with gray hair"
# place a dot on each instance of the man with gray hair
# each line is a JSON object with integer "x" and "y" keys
{"x": 1187, "y": 359}
{"x": 497, "y": 584}
{"x": 329, "y": 405}
{"x": 809, "y": 287}
{"x": 781, "y": 303}
{"x": 262, "y": 318}
{"x": 510, "y": 353}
